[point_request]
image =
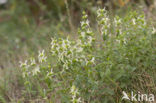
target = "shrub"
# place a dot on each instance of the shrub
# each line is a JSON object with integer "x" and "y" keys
{"x": 91, "y": 69}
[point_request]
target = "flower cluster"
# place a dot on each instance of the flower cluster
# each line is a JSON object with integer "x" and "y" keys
{"x": 74, "y": 92}
{"x": 30, "y": 67}
{"x": 41, "y": 57}
{"x": 25, "y": 66}
{"x": 68, "y": 53}
{"x": 104, "y": 23}
{"x": 71, "y": 52}
{"x": 63, "y": 50}
{"x": 75, "y": 62}
{"x": 118, "y": 25}
{"x": 85, "y": 32}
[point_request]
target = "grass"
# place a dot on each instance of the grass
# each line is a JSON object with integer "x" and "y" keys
{"x": 19, "y": 41}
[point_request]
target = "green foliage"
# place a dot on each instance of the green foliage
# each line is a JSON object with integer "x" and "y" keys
{"x": 89, "y": 69}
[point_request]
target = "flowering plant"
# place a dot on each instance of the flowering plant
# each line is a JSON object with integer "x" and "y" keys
{"x": 92, "y": 72}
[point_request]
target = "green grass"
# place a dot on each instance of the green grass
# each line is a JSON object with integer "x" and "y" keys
{"x": 19, "y": 40}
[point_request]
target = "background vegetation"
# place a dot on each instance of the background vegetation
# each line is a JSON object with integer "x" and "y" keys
{"x": 27, "y": 26}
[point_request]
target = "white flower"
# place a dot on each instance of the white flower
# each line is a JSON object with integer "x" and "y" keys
{"x": 134, "y": 21}
{"x": 83, "y": 34}
{"x": 50, "y": 73}
{"x": 153, "y": 31}
{"x": 90, "y": 39}
{"x": 41, "y": 53}
{"x": 74, "y": 92}
{"x": 36, "y": 70}
{"x": 100, "y": 12}
{"x": 87, "y": 22}
{"x": 52, "y": 45}
{"x": 41, "y": 56}
{"x": 89, "y": 31}
{"x": 24, "y": 64}
{"x": 124, "y": 40}
{"x": 93, "y": 60}
{"x": 32, "y": 60}
{"x": 117, "y": 21}
{"x": 82, "y": 23}
{"x": 105, "y": 20}
{"x": 72, "y": 89}
{"x": 79, "y": 100}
